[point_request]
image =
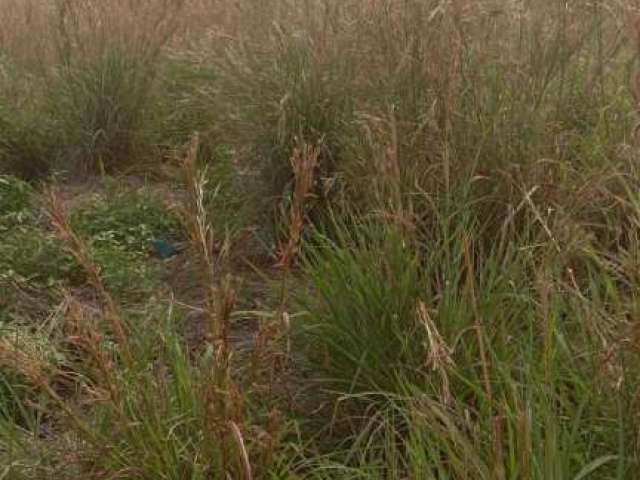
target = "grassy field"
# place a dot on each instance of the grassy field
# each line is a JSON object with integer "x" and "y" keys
{"x": 319, "y": 239}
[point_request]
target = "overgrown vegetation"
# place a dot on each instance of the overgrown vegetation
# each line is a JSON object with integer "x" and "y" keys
{"x": 377, "y": 240}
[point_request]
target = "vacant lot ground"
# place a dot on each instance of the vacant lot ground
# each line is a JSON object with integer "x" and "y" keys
{"x": 319, "y": 239}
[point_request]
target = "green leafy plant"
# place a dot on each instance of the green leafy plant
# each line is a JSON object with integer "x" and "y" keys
{"x": 15, "y": 202}
{"x": 120, "y": 233}
{"x": 29, "y": 255}
{"x": 128, "y": 220}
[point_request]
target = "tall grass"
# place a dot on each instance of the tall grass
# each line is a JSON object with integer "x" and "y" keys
{"x": 467, "y": 294}
{"x": 95, "y": 71}
{"x": 478, "y": 364}
{"x": 365, "y": 291}
{"x": 104, "y": 77}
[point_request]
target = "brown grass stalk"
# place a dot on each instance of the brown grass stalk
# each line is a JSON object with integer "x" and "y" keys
{"x": 219, "y": 390}
{"x": 39, "y": 372}
{"x": 80, "y": 250}
{"x": 84, "y": 334}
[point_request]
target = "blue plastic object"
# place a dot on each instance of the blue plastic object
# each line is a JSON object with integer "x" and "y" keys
{"x": 164, "y": 249}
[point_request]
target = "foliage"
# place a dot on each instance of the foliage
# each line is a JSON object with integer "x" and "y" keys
{"x": 28, "y": 255}
{"x": 120, "y": 234}
{"x": 484, "y": 367}
{"x": 28, "y": 148}
{"x": 129, "y": 220}
{"x": 101, "y": 105}
{"x": 15, "y": 202}
{"x": 19, "y": 400}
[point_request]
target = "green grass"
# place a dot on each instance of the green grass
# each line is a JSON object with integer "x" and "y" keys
{"x": 498, "y": 376}
{"x": 362, "y": 300}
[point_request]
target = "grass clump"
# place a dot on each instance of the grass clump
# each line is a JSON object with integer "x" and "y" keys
{"x": 28, "y": 148}
{"x": 102, "y": 105}
{"x": 291, "y": 92}
{"x": 103, "y": 78}
{"x": 16, "y": 390}
{"x": 365, "y": 288}
{"x": 166, "y": 420}
{"x": 471, "y": 360}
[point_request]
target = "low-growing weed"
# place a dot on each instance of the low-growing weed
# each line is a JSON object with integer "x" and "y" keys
{"x": 130, "y": 220}
{"x": 15, "y": 202}
{"x": 30, "y": 257}
{"x": 120, "y": 233}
